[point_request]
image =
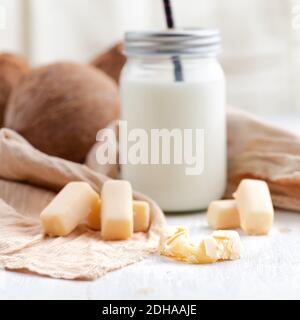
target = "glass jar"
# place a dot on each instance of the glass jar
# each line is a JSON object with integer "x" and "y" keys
{"x": 173, "y": 109}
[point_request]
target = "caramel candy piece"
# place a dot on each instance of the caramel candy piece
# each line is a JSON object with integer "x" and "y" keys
{"x": 94, "y": 219}
{"x": 117, "y": 210}
{"x": 141, "y": 217}
{"x": 255, "y": 206}
{"x": 73, "y": 204}
{"x": 223, "y": 214}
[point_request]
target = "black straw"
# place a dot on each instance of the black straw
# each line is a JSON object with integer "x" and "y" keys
{"x": 171, "y": 25}
{"x": 169, "y": 14}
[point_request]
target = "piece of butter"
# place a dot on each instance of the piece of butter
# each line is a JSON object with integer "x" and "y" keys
{"x": 175, "y": 243}
{"x": 73, "y": 204}
{"x": 116, "y": 210}
{"x": 166, "y": 233}
{"x": 141, "y": 217}
{"x": 222, "y": 245}
{"x": 255, "y": 206}
{"x": 208, "y": 251}
{"x": 229, "y": 244}
{"x": 223, "y": 214}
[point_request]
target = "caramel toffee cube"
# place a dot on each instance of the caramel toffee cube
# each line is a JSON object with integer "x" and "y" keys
{"x": 141, "y": 216}
{"x": 73, "y": 204}
{"x": 117, "y": 210}
{"x": 223, "y": 214}
{"x": 255, "y": 206}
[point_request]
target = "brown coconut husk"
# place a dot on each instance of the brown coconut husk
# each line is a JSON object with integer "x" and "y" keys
{"x": 59, "y": 108}
{"x": 12, "y": 69}
{"x": 111, "y": 61}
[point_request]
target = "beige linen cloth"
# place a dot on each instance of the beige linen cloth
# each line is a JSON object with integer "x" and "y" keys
{"x": 259, "y": 150}
{"x": 27, "y": 177}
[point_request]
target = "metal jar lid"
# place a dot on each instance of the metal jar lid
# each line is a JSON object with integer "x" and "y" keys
{"x": 175, "y": 42}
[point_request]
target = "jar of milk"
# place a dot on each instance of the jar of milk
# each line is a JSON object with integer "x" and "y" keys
{"x": 173, "y": 118}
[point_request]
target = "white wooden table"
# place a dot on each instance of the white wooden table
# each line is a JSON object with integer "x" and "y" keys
{"x": 269, "y": 269}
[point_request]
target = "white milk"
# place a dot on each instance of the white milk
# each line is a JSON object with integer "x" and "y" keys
{"x": 184, "y": 105}
{"x": 173, "y": 80}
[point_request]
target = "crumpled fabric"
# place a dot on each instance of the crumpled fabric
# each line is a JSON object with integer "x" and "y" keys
{"x": 29, "y": 179}
{"x": 259, "y": 150}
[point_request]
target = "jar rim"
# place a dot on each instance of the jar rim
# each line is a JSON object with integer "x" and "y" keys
{"x": 173, "y": 42}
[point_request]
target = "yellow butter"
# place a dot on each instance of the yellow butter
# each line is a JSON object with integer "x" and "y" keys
{"x": 229, "y": 244}
{"x": 166, "y": 234}
{"x": 175, "y": 243}
{"x": 208, "y": 251}
{"x": 116, "y": 210}
{"x": 73, "y": 204}
{"x": 255, "y": 206}
{"x": 223, "y": 214}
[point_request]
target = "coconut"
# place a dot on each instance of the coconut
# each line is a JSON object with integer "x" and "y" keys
{"x": 60, "y": 108}
{"x": 12, "y": 69}
{"x": 111, "y": 61}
